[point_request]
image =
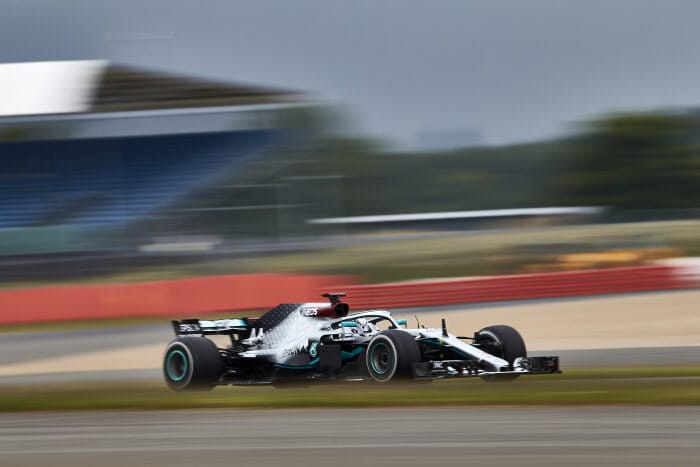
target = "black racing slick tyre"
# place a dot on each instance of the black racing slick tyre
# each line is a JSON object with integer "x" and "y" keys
{"x": 503, "y": 342}
{"x": 192, "y": 363}
{"x": 391, "y": 355}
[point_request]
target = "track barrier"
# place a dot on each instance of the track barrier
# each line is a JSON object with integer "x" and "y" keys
{"x": 229, "y": 293}
{"x": 517, "y": 287}
{"x": 169, "y": 298}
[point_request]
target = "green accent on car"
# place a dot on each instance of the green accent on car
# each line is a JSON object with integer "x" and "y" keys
{"x": 312, "y": 364}
{"x": 354, "y": 353}
{"x": 402, "y": 322}
{"x": 451, "y": 347}
{"x": 313, "y": 351}
{"x": 348, "y": 324}
{"x": 371, "y": 359}
{"x": 184, "y": 366}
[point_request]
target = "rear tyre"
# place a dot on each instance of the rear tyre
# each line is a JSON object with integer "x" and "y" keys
{"x": 391, "y": 355}
{"x": 503, "y": 342}
{"x": 192, "y": 363}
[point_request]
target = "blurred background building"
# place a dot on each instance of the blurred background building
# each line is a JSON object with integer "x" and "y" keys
{"x": 98, "y": 160}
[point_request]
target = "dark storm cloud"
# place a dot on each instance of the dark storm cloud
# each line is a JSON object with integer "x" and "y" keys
{"x": 514, "y": 70}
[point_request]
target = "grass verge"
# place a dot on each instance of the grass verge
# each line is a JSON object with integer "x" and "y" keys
{"x": 629, "y": 386}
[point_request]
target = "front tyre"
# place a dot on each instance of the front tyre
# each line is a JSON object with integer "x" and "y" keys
{"x": 192, "y": 363}
{"x": 392, "y": 355}
{"x": 503, "y": 342}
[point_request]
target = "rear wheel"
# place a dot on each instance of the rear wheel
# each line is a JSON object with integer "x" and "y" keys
{"x": 391, "y": 355}
{"x": 503, "y": 342}
{"x": 192, "y": 363}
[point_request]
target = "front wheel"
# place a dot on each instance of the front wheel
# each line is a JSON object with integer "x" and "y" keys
{"x": 391, "y": 355}
{"x": 503, "y": 342}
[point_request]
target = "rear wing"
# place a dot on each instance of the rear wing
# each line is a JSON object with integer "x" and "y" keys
{"x": 197, "y": 327}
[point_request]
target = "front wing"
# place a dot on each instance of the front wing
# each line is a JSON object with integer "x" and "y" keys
{"x": 438, "y": 369}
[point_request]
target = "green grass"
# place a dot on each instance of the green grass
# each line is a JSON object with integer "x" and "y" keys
{"x": 628, "y": 386}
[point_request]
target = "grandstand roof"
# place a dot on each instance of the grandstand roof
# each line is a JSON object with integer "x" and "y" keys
{"x": 58, "y": 87}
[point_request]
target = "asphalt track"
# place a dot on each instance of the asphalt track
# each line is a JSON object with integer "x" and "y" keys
{"x": 387, "y": 437}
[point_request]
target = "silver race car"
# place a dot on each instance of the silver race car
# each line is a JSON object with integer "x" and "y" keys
{"x": 311, "y": 341}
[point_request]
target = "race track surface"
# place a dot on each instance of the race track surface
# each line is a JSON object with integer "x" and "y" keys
{"x": 388, "y": 437}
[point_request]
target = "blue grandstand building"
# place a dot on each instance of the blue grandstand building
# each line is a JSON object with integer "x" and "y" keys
{"x": 98, "y": 158}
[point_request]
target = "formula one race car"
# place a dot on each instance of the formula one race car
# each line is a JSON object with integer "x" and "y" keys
{"x": 322, "y": 340}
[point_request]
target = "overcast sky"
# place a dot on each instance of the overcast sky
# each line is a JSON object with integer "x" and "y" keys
{"x": 513, "y": 70}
